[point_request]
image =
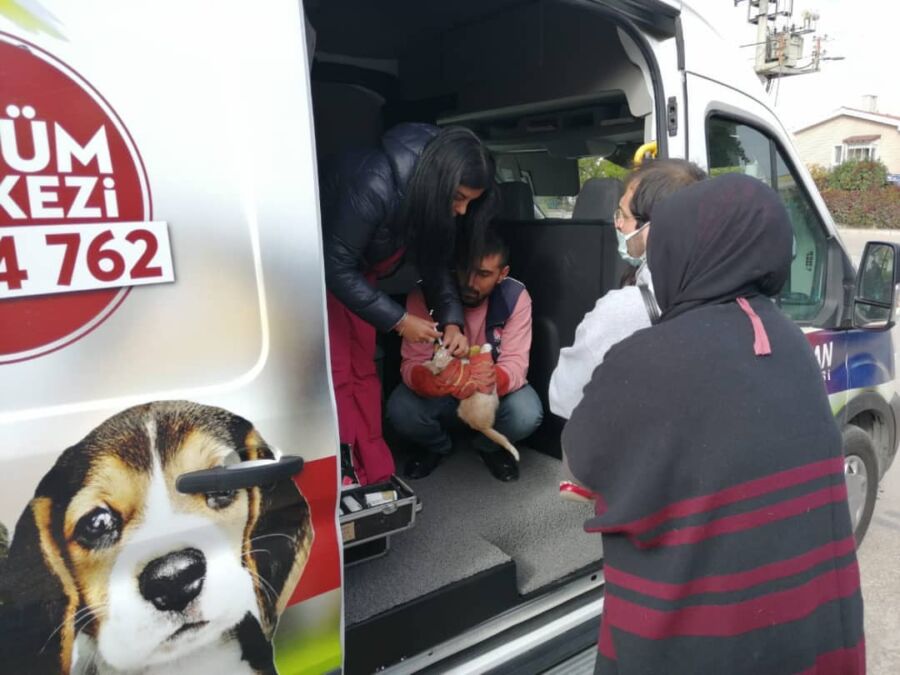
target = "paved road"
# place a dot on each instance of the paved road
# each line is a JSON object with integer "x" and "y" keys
{"x": 879, "y": 559}
{"x": 855, "y": 240}
{"x": 879, "y": 555}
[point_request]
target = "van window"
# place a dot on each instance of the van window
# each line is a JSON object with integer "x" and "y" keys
{"x": 736, "y": 147}
{"x": 563, "y": 206}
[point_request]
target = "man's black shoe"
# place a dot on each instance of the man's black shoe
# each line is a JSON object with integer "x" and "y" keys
{"x": 422, "y": 464}
{"x": 501, "y": 465}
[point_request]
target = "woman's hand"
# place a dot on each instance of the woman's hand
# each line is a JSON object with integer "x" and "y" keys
{"x": 416, "y": 329}
{"x": 455, "y": 341}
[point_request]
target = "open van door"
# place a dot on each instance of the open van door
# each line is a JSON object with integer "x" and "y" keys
{"x": 168, "y": 473}
{"x": 730, "y": 131}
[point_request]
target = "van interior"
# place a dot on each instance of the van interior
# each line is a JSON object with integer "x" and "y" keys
{"x": 562, "y": 97}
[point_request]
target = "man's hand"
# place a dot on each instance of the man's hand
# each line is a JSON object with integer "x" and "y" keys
{"x": 483, "y": 374}
{"x": 455, "y": 341}
{"x": 417, "y": 329}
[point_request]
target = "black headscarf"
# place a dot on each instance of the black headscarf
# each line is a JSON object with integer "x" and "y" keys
{"x": 716, "y": 241}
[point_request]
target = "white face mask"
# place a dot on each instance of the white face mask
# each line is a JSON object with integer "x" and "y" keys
{"x": 623, "y": 246}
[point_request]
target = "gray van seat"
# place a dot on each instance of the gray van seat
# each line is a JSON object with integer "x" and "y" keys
{"x": 517, "y": 201}
{"x": 567, "y": 265}
{"x": 598, "y": 198}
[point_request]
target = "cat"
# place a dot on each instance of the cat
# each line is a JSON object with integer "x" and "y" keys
{"x": 479, "y": 410}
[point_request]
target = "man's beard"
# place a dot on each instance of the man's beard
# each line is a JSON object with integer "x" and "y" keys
{"x": 471, "y": 298}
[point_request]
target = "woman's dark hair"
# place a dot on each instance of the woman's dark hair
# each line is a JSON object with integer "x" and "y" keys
{"x": 433, "y": 232}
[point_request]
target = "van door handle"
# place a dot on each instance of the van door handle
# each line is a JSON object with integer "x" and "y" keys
{"x": 252, "y": 473}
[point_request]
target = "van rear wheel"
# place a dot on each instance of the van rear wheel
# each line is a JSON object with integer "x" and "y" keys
{"x": 861, "y": 474}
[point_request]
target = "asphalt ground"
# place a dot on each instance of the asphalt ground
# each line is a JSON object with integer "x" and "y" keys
{"x": 879, "y": 562}
{"x": 879, "y": 554}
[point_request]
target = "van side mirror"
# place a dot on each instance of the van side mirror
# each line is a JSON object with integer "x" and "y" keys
{"x": 877, "y": 286}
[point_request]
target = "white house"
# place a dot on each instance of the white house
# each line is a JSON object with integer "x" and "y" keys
{"x": 851, "y": 134}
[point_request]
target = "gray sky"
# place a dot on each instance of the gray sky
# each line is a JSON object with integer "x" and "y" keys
{"x": 865, "y": 32}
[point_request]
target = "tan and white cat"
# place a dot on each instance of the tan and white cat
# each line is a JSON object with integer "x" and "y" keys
{"x": 479, "y": 410}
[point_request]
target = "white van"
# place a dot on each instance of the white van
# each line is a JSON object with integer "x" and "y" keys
{"x": 169, "y": 492}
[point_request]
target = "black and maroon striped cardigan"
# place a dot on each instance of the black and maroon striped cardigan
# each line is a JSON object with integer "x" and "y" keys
{"x": 727, "y": 539}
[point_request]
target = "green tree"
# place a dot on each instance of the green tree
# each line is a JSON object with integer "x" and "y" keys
{"x": 597, "y": 167}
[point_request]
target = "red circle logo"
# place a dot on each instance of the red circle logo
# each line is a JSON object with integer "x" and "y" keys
{"x": 65, "y": 159}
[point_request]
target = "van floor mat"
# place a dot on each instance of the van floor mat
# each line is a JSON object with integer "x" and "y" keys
{"x": 471, "y": 522}
{"x": 526, "y": 519}
{"x": 429, "y": 556}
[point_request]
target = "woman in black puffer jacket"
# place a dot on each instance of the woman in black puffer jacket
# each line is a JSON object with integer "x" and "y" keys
{"x": 424, "y": 192}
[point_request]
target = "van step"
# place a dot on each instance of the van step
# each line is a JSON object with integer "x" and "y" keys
{"x": 431, "y": 619}
{"x": 580, "y": 664}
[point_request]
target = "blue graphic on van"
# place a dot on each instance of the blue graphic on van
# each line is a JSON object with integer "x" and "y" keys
{"x": 853, "y": 359}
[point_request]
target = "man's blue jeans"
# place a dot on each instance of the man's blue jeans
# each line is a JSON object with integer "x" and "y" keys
{"x": 427, "y": 421}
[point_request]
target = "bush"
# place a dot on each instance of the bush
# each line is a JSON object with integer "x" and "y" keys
{"x": 877, "y": 208}
{"x": 858, "y": 176}
{"x": 820, "y": 176}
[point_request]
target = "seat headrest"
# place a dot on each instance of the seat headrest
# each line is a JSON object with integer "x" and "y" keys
{"x": 598, "y": 199}
{"x": 517, "y": 201}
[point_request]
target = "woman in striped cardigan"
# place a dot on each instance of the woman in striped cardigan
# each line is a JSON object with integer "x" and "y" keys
{"x": 710, "y": 441}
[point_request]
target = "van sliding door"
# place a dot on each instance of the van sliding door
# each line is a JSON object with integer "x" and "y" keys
{"x": 161, "y": 318}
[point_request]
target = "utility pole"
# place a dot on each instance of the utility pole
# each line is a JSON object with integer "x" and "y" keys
{"x": 762, "y": 33}
{"x": 779, "y": 42}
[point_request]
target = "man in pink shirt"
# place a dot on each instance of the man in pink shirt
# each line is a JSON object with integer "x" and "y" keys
{"x": 423, "y": 408}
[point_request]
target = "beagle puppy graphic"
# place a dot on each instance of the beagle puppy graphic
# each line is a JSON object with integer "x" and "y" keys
{"x": 111, "y": 570}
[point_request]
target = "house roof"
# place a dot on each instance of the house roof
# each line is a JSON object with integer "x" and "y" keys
{"x": 862, "y": 139}
{"x": 879, "y": 118}
{"x": 867, "y": 112}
